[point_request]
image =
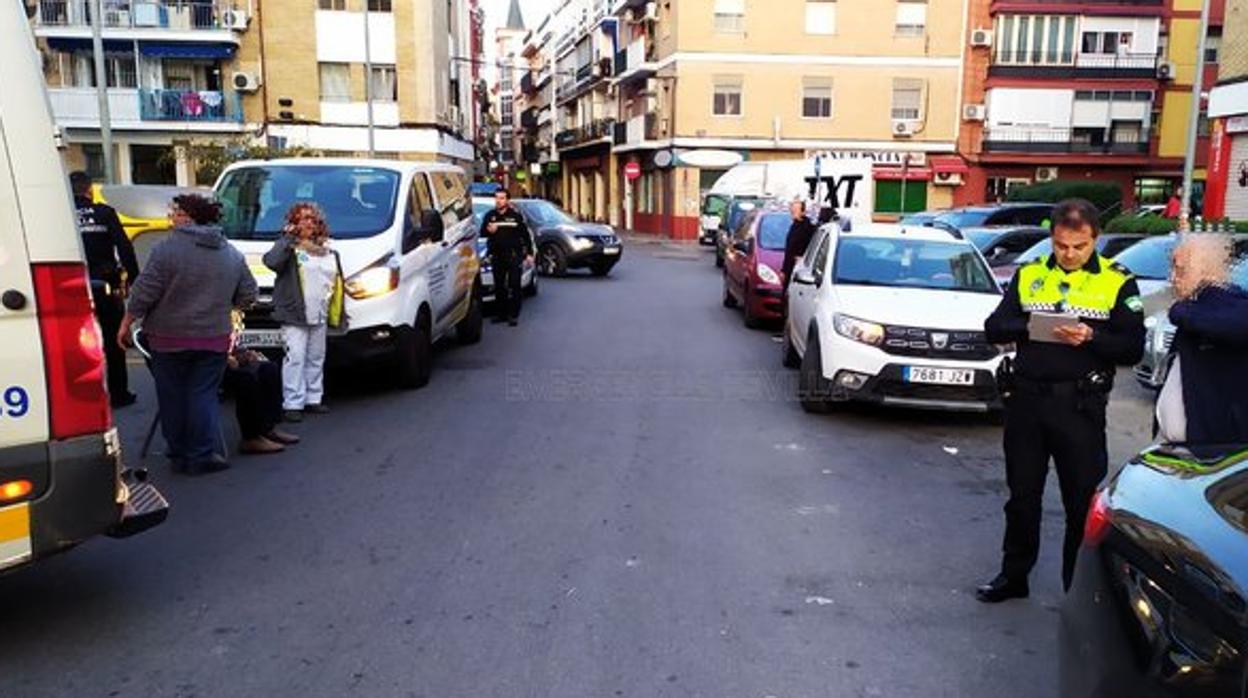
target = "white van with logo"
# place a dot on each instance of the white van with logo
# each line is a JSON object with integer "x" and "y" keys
{"x": 405, "y": 235}
{"x": 61, "y": 474}
{"x": 844, "y": 183}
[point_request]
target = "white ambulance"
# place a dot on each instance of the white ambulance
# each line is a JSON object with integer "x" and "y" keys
{"x": 61, "y": 474}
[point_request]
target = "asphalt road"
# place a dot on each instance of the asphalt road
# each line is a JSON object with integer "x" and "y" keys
{"x": 617, "y": 498}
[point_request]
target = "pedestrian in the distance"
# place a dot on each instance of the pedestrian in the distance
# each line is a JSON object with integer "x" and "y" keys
{"x": 308, "y": 302}
{"x": 109, "y": 254}
{"x": 510, "y": 245}
{"x": 182, "y": 300}
{"x": 1205, "y": 398}
{"x": 800, "y": 233}
{"x": 1074, "y": 316}
{"x": 1174, "y": 205}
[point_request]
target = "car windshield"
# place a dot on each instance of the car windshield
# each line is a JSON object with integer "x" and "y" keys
{"x": 358, "y": 202}
{"x": 909, "y": 263}
{"x": 543, "y": 213}
{"x": 773, "y": 230}
{"x": 737, "y": 212}
{"x": 1149, "y": 259}
{"x": 964, "y": 219}
{"x": 714, "y": 205}
{"x": 1041, "y": 249}
{"x": 921, "y": 218}
{"x": 982, "y": 238}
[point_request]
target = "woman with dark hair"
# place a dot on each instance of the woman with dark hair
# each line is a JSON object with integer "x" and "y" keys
{"x": 307, "y": 300}
{"x": 182, "y": 300}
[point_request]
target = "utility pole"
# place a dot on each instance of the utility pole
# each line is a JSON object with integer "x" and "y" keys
{"x": 1193, "y": 119}
{"x": 368, "y": 83}
{"x": 101, "y": 90}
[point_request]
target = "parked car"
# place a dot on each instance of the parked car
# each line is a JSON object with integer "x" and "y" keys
{"x": 919, "y": 218}
{"x": 1002, "y": 244}
{"x": 893, "y": 315}
{"x": 737, "y": 209}
{"x": 565, "y": 243}
{"x": 63, "y": 480}
{"x": 752, "y": 266}
{"x": 528, "y": 274}
{"x": 1108, "y": 245}
{"x": 483, "y": 188}
{"x": 996, "y": 214}
{"x": 1157, "y": 606}
{"x": 713, "y": 208}
{"x": 405, "y": 235}
{"x": 143, "y": 210}
{"x": 1149, "y": 262}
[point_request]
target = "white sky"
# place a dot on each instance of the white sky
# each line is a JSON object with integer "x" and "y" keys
{"x": 496, "y": 13}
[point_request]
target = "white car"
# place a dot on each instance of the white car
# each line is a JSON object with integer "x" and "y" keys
{"x": 404, "y": 233}
{"x": 528, "y": 275}
{"x": 893, "y": 315}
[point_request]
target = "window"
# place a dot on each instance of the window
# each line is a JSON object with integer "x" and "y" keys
{"x": 338, "y": 5}
{"x": 1106, "y": 43}
{"x": 727, "y": 97}
{"x": 907, "y": 99}
{"x": 505, "y": 110}
{"x": 911, "y": 17}
{"x": 729, "y": 16}
{"x": 379, "y": 5}
{"x": 452, "y": 191}
{"x": 385, "y": 84}
{"x": 1035, "y": 40}
{"x": 335, "y": 82}
{"x": 819, "y": 260}
{"x": 1213, "y": 42}
{"x": 820, "y": 16}
{"x": 817, "y": 100}
{"x": 78, "y": 70}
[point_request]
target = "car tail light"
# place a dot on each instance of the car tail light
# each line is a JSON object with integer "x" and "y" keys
{"x": 1099, "y": 520}
{"x": 73, "y": 351}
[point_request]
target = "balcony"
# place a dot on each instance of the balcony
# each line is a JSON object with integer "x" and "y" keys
{"x": 190, "y": 105}
{"x": 636, "y": 61}
{"x": 124, "y": 14}
{"x": 1025, "y": 64}
{"x": 148, "y": 110}
{"x": 1151, "y": 6}
{"x": 526, "y": 83}
{"x": 1042, "y": 141}
{"x": 636, "y": 131}
{"x": 528, "y": 118}
{"x": 594, "y": 131}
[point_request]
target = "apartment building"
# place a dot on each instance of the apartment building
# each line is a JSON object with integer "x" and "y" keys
{"x": 538, "y": 158}
{"x": 289, "y": 73}
{"x": 1227, "y": 193}
{"x": 508, "y": 41}
{"x": 1097, "y": 90}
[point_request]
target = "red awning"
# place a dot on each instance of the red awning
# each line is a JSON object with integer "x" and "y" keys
{"x": 951, "y": 164}
{"x": 895, "y": 173}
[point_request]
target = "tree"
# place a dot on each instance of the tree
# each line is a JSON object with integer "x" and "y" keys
{"x": 210, "y": 158}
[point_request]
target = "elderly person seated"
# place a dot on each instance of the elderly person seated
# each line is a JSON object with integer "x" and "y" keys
{"x": 1205, "y": 398}
{"x": 256, "y": 384}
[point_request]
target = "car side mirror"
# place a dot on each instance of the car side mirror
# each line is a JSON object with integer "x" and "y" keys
{"x": 743, "y": 246}
{"x": 805, "y": 277}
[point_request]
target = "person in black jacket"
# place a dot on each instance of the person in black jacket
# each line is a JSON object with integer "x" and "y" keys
{"x": 510, "y": 245}
{"x": 109, "y": 253}
{"x": 800, "y": 234}
{"x": 1211, "y": 343}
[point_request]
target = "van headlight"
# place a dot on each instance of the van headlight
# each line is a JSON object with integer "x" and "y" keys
{"x": 858, "y": 330}
{"x": 767, "y": 274}
{"x": 374, "y": 281}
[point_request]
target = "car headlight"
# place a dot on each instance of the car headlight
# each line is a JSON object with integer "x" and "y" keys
{"x": 767, "y": 274}
{"x": 858, "y": 330}
{"x": 581, "y": 244}
{"x": 374, "y": 281}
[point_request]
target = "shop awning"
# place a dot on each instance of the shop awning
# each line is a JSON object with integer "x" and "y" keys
{"x": 951, "y": 164}
{"x": 57, "y": 43}
{"x": 217, "y": 51}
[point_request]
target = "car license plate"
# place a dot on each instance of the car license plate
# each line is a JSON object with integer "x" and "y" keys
{"x": 938, "y": 376}
{"x": 14, "y": 535}
{"x": 610, "y": 250}
{"x": 261, "y": 339}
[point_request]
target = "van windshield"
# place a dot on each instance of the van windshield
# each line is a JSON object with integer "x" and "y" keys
{"x": 358, "y": 202}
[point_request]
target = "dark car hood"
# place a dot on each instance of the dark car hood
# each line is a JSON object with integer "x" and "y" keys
{"x": 574, "y": 229}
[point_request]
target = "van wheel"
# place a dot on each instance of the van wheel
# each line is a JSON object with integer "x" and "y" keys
{"x": 790, "y": 358}
{"x": 468, "y": 331}
{"x": 415, "y": 353}
{"x": 813, "y": 390}
{"x": 729, "y": 300}
{"x": 552, "y": 261}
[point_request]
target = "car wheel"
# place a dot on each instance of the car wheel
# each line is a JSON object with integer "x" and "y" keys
{"x": 729, "y": 300}
{"x": 531, "y": 289}
{"x": 751, "y": 320}
{"x": 415, "y": 353}
{"x": 789, "y": 359}
{"x": 813, "y": 390}
{"x": 468, "y": 331}
{"x": 601, "y": 268}
{"x": 552, "y": 261}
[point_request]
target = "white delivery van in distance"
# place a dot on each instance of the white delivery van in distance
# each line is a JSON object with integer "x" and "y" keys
{"x": 61, "y": 474}
{"x": 844, "y": 183}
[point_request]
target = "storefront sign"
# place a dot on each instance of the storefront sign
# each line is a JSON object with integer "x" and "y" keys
{"x": 879, "y": 157}
{"x": 1237, "y": 124}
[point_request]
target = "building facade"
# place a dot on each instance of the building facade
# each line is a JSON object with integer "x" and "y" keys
{"x": 282, "y": 72}
{"x": 1227, "y": 193}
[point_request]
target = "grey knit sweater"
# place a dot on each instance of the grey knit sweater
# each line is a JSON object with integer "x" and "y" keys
{"x": 191, "y": 282}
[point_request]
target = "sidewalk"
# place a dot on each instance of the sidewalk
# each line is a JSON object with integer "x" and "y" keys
{"x": 632, "y": 237}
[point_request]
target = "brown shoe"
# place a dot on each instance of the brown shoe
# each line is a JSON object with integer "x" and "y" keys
{"x": 260, "y": 446}
{"x": 281, "y": 437}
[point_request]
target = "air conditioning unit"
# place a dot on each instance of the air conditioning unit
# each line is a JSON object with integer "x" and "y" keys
{"x": 1165, "y": 70}
{"x": 974, "y": 112}
{"x": 244, "y": 81}
{"x": 981, "y": 38}
{"x": 235, "y": 19}
{"x": 904, "y": 129}
{"x": 652, "y": 12}
{"x": 1046, "y": 174}
{"x": 948, "y": 179}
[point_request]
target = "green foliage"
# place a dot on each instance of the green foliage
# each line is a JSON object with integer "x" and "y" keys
{"x": 1149, "y": 224}
{"x": 212, "y": 157}
{"x": 1106, "y": 196}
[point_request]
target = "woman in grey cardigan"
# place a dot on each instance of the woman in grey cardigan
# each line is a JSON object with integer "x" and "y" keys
{"x": 182, "y": 300}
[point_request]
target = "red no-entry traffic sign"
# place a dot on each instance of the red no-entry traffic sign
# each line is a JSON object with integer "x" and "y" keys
{"x": 632, "y": 171}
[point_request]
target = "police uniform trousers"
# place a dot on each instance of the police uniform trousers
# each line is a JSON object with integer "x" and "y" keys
{"x": 109, "y": 309}
{"x": 508, "y": 266}
{"x": 1046, "y": 422}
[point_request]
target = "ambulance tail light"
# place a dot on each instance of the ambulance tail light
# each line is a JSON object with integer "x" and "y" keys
{"x": 73, "y": 351}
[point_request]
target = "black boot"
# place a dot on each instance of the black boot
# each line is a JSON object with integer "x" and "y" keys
{"x": 1002, "y": 588}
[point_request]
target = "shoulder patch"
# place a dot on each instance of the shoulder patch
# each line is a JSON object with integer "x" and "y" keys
{"x": 1120, "y": 269}
{"x": 1135, "y": 304}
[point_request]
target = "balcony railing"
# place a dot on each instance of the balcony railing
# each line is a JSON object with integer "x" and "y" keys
{"x": 189, "y": 105}
{"x": 1085, "y": 65}
{"x": 637, "y": 129}
{"x": 636, "y": 60}
{"x": 528, "y": 118}
{"x": 1138, "y": 3}
{"x": 594, "y": 130}
{"x": 526, "y": 83}
{"x": 124, "y": 14}
{"x": 1064, "y": 140}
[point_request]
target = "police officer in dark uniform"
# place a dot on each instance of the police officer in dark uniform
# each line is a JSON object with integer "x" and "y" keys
{"x": 1058, "y": 386}
{"x": 109, "y": 252}
{"x": 510, "y": 244}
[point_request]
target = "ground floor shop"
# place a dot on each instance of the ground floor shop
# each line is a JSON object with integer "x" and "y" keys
{"x": 1142, "y": 183}
{"x": 1227, "y": 195}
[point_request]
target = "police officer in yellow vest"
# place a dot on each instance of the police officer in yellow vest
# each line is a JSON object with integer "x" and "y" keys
{"x": 1058, "y": 385}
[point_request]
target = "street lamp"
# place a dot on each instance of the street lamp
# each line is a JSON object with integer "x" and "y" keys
{"x": 1193, "y": 120}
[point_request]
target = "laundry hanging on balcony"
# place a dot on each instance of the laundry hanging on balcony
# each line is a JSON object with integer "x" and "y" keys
{"x": 206, "y": 51}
